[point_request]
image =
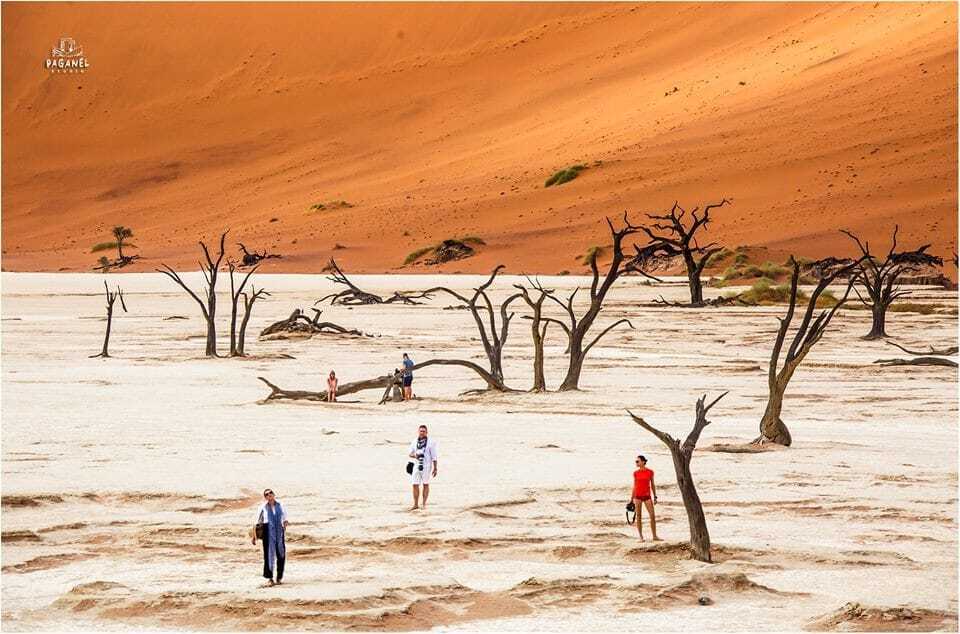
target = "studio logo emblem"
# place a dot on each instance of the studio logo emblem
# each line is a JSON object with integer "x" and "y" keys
{"x": 67, "y": 57}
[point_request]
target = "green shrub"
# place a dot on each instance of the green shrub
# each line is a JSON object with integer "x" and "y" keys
{"x": 594, "y": 251}
{"x": 413, "y": 256}
{"x": 472, "y": 240}
{"x": 103, "y": 246}
{"x": 564, "y": 175}
{"x": 333, "y": 204}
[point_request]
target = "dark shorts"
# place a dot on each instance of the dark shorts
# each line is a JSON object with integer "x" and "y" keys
{"x": 641, "y": 498}
{"x": 408, "y": 381}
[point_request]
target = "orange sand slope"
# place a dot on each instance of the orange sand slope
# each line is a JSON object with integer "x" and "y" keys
{"x": 444, "y": 120}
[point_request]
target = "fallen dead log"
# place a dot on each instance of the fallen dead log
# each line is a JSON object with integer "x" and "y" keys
{"x": 386, "y": 382}
{"x": 299, "y": 325}
{"x": 946, "y": 352}
{"x": 949, "y": 363}
{"x": 717, "y": 301}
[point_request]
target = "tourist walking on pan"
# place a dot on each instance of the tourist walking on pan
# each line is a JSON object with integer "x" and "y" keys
{"x": 271, "y": 527}
{"x": 332, "y": 384}
{"x": 407, "y": 377}
{"x": 423, "y": 466}
{"x": 644, "y": 494}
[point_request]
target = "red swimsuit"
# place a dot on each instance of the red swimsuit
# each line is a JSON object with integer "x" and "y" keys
{"x": 641, "y": 483}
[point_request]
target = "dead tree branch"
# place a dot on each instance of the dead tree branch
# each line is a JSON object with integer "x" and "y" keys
{"x": 682, "y": 455}
{"x": 355, "y": 296}
{"x": 299, "y": 325}
{"x": 880, "y": 279}
{"x": 492, "y": 336}
{"x": 209, "y": 309}
{"x": 254, "y": 258}
{"x": 112, "y": 296}
{"x": 808, "y": 333}
{"x": 671, "y": 236}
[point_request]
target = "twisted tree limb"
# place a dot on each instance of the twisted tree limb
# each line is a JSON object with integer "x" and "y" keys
{"x": 355, "y": 296}
{"x": 682, "y": 455}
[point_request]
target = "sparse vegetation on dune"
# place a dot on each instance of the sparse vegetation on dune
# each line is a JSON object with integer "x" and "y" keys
{"x": 446, "y": 250}
{"x": 564, "y": 176}
{"x": 330, "y": 205}
{"x": 592, "y": 252}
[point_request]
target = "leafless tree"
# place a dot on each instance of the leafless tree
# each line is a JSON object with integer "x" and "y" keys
{"x": 111, "y": 298}
{"x": 880, "y": 279}
{"x": 492, "y": 336}
{"x": 675, "y": 238}
{"x": 538, "y": 333}
{"x": 682, "y": 455}
{"x": 248, "y": 301}
{"x": 808, "y": 333}
{"x": 577, "y": 328}
{"x": 210, "y": 271}
{"x": 235, "y": 293}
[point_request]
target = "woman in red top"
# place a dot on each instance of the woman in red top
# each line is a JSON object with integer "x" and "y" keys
{"x": 643, "y": 489}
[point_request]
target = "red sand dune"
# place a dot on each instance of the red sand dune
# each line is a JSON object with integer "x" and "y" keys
{"x": 443, "y": 120}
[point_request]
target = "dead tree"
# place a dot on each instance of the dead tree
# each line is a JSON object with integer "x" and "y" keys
{"x": 493, "y": 337}
{"x": 674, "y": 238}
{"x": 386, "y": 381}
{"x": 537, "y": 332}
{"x": 682, "y": 454}
{"x": 111, "y": 298}
{"x": 930, "y": 357}
{"x": 880, "y": 279}
{"x": 300, "y": 325}
{"x": 248, "y": 301}
{"x": 251, "y": 259}
{"x": 235, "y": 293}
{"x": 810, "y": 331}
{"x": 208, "y": 309}
{"x": 577, "y": 328}
{"x": 355, "y": 296}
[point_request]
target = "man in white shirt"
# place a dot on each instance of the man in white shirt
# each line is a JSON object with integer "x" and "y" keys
{"x": 423, "y": 452}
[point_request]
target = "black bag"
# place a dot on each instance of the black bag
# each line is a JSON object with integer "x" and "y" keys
{"x": 258, "y": 530}
{"x": 410, "y": 468}
{"x": 631, "y": 509}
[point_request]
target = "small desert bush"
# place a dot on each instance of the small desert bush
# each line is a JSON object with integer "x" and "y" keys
{"x": 103, "y": 246}
{"x": 413, "y": 256}
{"x": 744, "y": 271}
{"x": 333, "y": 204}
{"x": 564, "y": 175}
{"x": 592, "y": 252}
{"x": 913, "y": 307}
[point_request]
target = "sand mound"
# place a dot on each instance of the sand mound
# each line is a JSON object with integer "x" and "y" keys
{"x": 854, "y": 617}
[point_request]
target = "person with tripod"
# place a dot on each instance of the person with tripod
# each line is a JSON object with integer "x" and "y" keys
{"x": 422, "y": 467}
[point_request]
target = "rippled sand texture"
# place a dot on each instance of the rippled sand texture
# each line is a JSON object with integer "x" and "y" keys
{"x": 129, "y": 484}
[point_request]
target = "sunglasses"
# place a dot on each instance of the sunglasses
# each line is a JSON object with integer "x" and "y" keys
{"x": 267, "y": 493}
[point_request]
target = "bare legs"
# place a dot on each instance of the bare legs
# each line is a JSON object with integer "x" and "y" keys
{"x": 653, "y": 518}
{"x": 416, "y": 497}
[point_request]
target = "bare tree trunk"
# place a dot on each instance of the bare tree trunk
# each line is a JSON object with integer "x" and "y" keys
{"x": 235, "y": 293}
{"x": 878, "y": 329}
{"x": 539, "y": 379}
{"x": 492, "y": 341}
{"x": 682, "y": 455}
{"x": 809, "y": 332}
{"x": 881, "y": 279}
{"x": 693, "y": 280}
{"x": 771, "y": 427}
{"x": 111, "y": 298}
{"x": 248, "y": 302}
{"x": 210, "y": 271}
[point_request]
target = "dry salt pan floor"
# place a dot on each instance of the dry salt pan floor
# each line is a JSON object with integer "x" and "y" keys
{"x": 130, "y": 483}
